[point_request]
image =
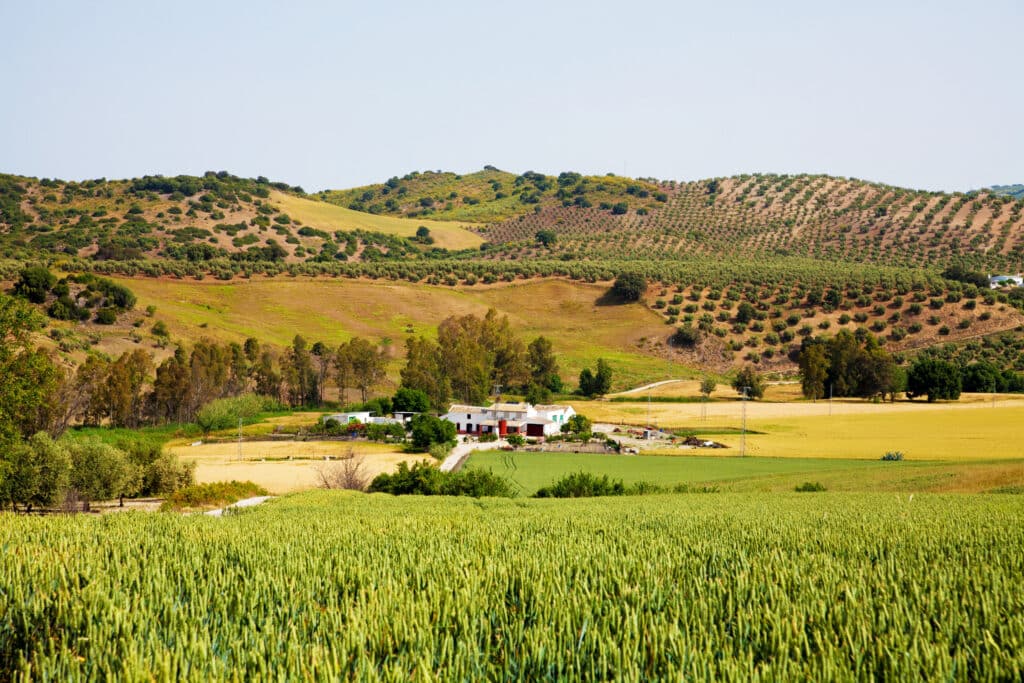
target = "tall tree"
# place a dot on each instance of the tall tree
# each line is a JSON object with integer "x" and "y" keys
{"x": 543, "y": 364}
{"x": 29, "y": 378}
{"x": 367, "y": 365}
{"x": 423, "y": 371}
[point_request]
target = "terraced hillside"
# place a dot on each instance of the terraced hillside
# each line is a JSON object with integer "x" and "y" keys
{"x": 766, "y": 216}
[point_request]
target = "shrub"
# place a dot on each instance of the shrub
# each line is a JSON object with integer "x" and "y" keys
{"x": 809, "y": 487}
{"x": 893, "y": 456}
{"x": 214, "y": 494}
{"x": 630, "y": 286}
{"x": 424, "y": 479}
{"x": 224, "y": 413}
{"x": 582, "y": 485}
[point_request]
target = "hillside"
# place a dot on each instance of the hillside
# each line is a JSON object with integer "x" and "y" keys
{"x": 1014, "y": 191}
{"x": 761, "y": 216}
{"x": 493, "y": 195}
{"x": 748, "y": 265}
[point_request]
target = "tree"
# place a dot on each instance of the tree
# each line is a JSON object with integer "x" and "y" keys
{"x": 707, "y": 386}
{"x": 101, "y": 472}
{"x": 323, "y": 357}
{"x": 428, "y": 430}
{"x": 745, "y": 312}
{"x": 814, "y": 367}
{"x": 546, "y": 237}
{"x": 579, "y": 426}
{"x": 543, "y": 365}
{"x": 34, "y": 283}
{"x": 934, "y": 378}
{"x": 367, "y": 362}
{"x": 423, "y": 371}
{"x": 298, "y": 374}
{"x": 29, "y": 379}
{"x": 596, "y": 383}
{"x": 410, "y": 400}
{"x": 748, "y": 378}
{"x": 629, "y": 286}
{"x": 35, "y": 473}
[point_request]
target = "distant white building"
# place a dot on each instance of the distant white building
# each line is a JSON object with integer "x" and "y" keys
{"x": 998, "y": 281}
{"x": 509, "y": 418}
{"x": 363, "y": 417}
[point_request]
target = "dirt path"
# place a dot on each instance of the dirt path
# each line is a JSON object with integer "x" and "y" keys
{"x": 244, "y": 503}
{"x": 645, "y": 387}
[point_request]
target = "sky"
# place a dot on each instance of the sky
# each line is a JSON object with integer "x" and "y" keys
{"x": 338, "y": 94}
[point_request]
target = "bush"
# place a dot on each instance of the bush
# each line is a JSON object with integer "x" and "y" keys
{"x": 106, "y": 316}
{"x": 215, "y": 494}
{"x": 893, "y": 456}
{"x": 809, "y": 487}
{"x": 423, "y": 479}
{"x": 225, "y": 413}
{"x": 582, "y": 485}
{"x": 428, "y": 430}
{"x": 516, "y": 440}
{"x": 630, "y": 286}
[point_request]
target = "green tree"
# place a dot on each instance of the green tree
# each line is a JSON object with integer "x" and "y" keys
{"x": 707, "y": 386}
{"x": 748, "y": 378}
{"x": 35, "y": 473}
{"x": 102, "y": 472}
{"x": 423, "y": 371}
{"x": 367, "y": 362}
{"x": 543, "y": 364}
{"x": 814, "y": 368}
{"x": 410, "y": 400}
{"x": 629, "y": 286}
{"x": 546, "y": 237}
{"x": 34, "y": 283}
{"x": 428, "y": 430}
{"x": 934, "y": 378}
{"x": 29, "y": 379}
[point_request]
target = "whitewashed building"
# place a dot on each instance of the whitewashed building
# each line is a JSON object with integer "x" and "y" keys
{"x": 509, "y": 418}
{"x": 997, "y": 281}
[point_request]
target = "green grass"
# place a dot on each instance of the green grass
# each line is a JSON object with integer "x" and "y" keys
{"x": 531, "y": 471}
{"x": 339, "y": 586}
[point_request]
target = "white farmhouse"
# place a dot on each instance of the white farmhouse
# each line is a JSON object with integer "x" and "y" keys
{"x": 509, "y": 418}
{"x": 997, "y": 281}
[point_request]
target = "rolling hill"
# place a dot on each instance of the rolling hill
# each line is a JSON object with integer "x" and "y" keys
{"x": 809, "y": 254}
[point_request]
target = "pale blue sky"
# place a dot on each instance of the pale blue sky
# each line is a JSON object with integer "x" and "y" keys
{"x": 336, "y": 94}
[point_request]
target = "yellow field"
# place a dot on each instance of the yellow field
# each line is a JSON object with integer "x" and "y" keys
{"x": 326, "y": 216}
{"x": 266, "y": 463}
{"x": 968, "y": 430}
{"x": 334, "y": 310}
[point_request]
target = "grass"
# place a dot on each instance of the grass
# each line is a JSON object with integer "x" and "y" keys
{"x": 447, "y": 235}
{"x": 334, "y": 311}
{"x": 531, "y": 471}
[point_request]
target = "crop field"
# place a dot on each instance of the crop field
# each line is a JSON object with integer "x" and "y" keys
{"x": 855, "y": 429}
{"x": 333, "y": 585}
{"x": 324, "y": 216}
{"x": 531, "y": 471}
{"x": 285, "y": 466}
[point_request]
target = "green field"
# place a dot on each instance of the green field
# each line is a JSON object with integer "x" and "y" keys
{"x": 333, "y": 311}
{"x": 336, "y": 586}
{"x": 531, "y": 471}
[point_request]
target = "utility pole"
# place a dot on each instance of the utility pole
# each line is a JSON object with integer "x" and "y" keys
{"x": 743, "y": 433}
{"x": 239, "y": 439}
